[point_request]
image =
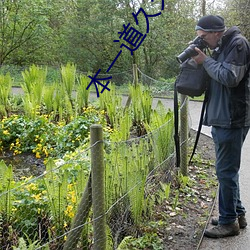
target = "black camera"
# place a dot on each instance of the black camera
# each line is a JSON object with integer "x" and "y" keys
{"x": 190, "y": 51}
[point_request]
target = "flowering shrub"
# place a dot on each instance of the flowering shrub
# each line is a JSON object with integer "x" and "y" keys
{"x": 44, "y": 137}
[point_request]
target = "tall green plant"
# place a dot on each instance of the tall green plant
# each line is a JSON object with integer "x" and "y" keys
{"x": 111, "y": 103}
{"x": 68, "y": 74}
{"x": 161, "y": 129}
{"x": 126, "y": 171}
{"x": 5, "y": 90}
{"x": 82, "y": 94}
{"x": 33, "y": 85}
{"x": 123, "y": 128}
{"x": 137, "y": 179}
{"x": 6, "y": 184}
{"x": 141, "y": 104}
{"x": 48, "y": 98}
{"x": 56, "y": 184}
{"x": 62, "y": 106}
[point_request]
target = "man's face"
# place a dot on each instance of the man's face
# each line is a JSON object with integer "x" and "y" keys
{"x": 211, "y": 38}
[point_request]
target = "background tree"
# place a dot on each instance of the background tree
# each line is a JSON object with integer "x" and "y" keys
{"x": 21, "y": 26}
{"x": 237, "y": 12}
{"x": 55, "y": 32}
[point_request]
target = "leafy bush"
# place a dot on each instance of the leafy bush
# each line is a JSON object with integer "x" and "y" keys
{"x": 44, "y": 138}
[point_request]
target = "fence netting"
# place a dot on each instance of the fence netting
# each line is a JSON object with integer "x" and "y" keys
{"x": 52, "y": 209}
{"x": 42, "y": 209}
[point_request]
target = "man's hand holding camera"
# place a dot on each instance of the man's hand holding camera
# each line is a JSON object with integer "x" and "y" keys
{"x": 190, "y": 51}
{"x": 200, "y": 58}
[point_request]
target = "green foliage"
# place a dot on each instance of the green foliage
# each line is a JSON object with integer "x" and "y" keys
{"x": 147, "y": 241}
{"x": 62, "y": 100}
{"x": 43, "y": 137}
{"x": 161, "y": 126}
{"x": 30, "y": 206}
{"x": 164, "y": 191}
{"x": 82, "y": 97}
{"x": 29, "y": 245}
{"x": 141, "y": 104}
{"x": 123, "y": 124}
{"x": 184, "y": 181}
{"x": 111, "y": 103}
{"x": 68, "y": 73}
{"x": 48, "y": 98}
{"x": 128, "y": 161}
{"x": 44, "y": 32}
{"x": 33, "y": 85}
{"x": 6, "y": 184}
{"x": 56, "y": 183}
{"x": 23, "y": 25}
{"x": 126, "y": 172}
{"x": 5, "y": 90}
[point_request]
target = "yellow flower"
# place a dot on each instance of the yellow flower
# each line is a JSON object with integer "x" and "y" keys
{"x": 45, "y": 151}
{"x": 31, "y": 187}
{"x": 37, "y": 196}
{"x": 38, "y": 156}
{"x": 16, "y": 152}
{"x": 73, "y": 199}
{"x": 69, "y": 211}
{"x": 14, "y": 209}
{"x": 6, "y": 132}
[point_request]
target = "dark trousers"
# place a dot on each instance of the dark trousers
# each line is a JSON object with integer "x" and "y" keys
{"x": 228, "y": 145}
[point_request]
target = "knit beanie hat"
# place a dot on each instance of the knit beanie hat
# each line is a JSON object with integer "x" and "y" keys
{"x": 210, "y": 23}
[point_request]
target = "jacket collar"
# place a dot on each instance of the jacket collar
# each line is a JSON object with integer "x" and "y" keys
{"x": 231, "y": 32}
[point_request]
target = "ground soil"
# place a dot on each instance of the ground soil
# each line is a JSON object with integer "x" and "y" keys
{"x": 187, "y": 223}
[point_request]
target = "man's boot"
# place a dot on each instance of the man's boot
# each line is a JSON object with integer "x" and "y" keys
{"x": 221, "y": 230}
{"x": 241, "y": 219}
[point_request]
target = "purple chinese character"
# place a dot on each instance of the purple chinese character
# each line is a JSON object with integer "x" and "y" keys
{"x": 96, "y": 82}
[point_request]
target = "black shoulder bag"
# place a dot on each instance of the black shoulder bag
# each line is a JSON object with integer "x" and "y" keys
{"x": 191, "y": 81}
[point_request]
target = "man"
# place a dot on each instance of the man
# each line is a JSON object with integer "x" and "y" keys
{"x": 228, "y": 112}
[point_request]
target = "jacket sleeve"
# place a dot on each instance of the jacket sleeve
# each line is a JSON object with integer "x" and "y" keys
{"x": 230, "y": 70}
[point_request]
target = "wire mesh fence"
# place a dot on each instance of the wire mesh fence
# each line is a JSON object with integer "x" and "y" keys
{"x": 55, "y": 210}
{"x": 42, "y": 210}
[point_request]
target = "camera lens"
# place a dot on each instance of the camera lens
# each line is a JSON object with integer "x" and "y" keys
{"x": 187, "y": 53}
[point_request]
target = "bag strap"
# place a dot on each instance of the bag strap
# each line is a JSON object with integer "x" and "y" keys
{"x": 176, "y": 126}
{"x": 199, "y": 127}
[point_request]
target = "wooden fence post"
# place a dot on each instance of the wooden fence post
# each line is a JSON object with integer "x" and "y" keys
{"x": 135, "y": 82}
{"x": 98, "y": 195}
{"x": 135, "y": 74}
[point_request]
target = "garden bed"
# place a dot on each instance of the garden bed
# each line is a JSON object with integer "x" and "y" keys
{"x": 179, "y": 221}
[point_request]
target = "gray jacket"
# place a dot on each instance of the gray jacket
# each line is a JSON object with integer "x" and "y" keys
{"x": 228, "y": 103}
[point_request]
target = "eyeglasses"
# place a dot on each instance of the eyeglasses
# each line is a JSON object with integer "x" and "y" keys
{"x": 203, "y": 36}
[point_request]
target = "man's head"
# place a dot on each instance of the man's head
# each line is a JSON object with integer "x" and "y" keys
{"x": 211, "y": 28}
